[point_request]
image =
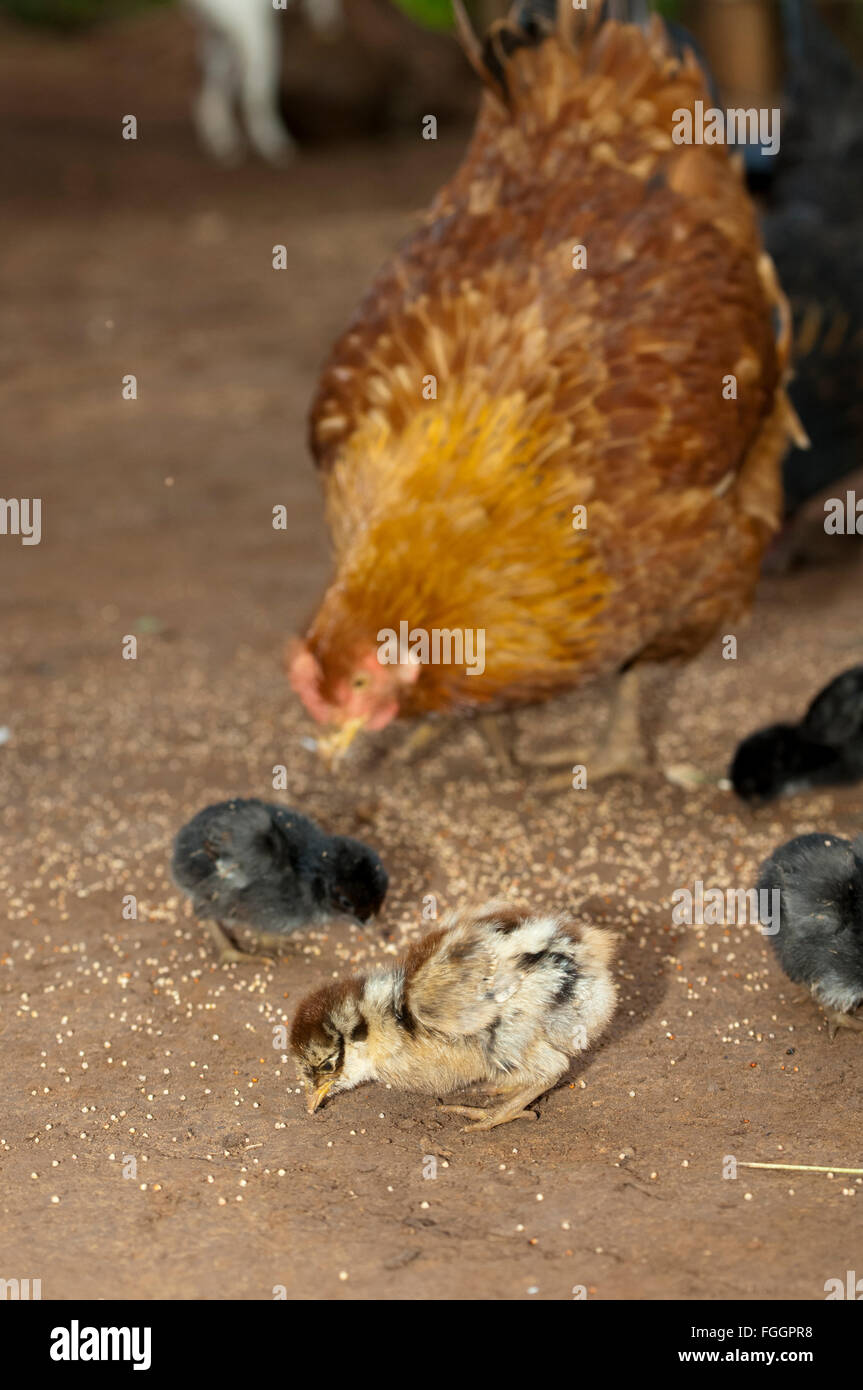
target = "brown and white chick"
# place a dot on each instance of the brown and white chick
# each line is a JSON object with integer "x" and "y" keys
{"x": 496, "y": 996}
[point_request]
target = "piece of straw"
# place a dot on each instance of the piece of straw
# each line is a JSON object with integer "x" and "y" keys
{"x": 802, "y": 1168}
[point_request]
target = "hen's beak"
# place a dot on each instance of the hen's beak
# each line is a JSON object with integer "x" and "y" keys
{"x": 334, "y": 746}
{"x": 316, "y": 1098}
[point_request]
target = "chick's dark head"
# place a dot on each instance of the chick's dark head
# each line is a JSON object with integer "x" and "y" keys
{"x": 777, "y": 761}
{"x": 326, "y": 1024}
{"x": 356, "y": 880}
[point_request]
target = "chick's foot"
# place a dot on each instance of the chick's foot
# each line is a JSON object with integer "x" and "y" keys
{"x": 836, "y": 1019}
{"x": 487, "y": 1119}
{"x": 232, "y": 955}
{"x": 229, "y": 951}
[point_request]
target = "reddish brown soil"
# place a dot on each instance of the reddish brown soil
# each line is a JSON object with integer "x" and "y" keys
{"x": 124, "y": 1037}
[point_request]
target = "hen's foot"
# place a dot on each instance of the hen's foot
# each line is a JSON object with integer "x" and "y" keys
{"x": 419, "y": 739}
{"x": 499, "y": 732}
{"x": 601, "y": 767}
{"x": 623, "y": 753}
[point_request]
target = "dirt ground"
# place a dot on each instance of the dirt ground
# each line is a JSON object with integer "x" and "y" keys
{"x": 123, "y": 1038}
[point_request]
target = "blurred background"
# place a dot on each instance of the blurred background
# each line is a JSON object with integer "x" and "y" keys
{"x": 348, "y": 67}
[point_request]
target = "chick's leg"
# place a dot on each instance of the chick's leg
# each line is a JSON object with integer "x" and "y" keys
{"x": 836, "y": 1019}
{"x": 229, "y": 951}
{"x": 513, "y": 1108}
{"x": 483, "y": 1089}
{"x": 486, "y": 1118}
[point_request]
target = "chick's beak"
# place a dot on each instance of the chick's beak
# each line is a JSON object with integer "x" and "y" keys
{"x": 335, "y": 745}
{"x": 317, "y": 1096}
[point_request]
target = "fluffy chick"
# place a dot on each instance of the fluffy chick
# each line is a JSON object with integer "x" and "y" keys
{"x": 496, "y": 996}
{"x": 824, "y": 749}
{"x": 820, "y": 938}
{"x": 271, "y": 869}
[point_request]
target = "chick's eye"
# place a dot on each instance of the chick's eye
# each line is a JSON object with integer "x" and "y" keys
{"x": 344, "y": 903}
{"x": 328, "y": 1065}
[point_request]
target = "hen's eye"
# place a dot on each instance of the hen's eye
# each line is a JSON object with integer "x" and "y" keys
{"x": 360, "y": 680}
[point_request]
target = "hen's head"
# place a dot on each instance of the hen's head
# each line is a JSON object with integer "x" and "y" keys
{"x": 349, "y": 695}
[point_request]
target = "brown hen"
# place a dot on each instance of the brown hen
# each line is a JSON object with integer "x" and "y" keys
{"x": 553, "y": 386}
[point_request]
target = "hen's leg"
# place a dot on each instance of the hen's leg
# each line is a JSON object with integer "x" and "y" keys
{"x": 624, "y": 750}
{"x": 499, "y": 731}
{"x": 429, "y": 731}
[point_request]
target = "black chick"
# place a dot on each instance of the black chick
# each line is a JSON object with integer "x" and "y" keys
{"x": 835, "y": 718}
{"x": 265, "y": 867}
{"x": 819, "y": 942}
{"x": 824, "y": 750}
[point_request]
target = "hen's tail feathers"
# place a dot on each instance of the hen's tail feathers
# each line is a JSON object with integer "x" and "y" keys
{"x": 624, "y": 11}
{"x": 526, "y": 27}
{"x": 531, "y": 22}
